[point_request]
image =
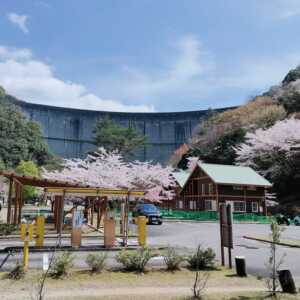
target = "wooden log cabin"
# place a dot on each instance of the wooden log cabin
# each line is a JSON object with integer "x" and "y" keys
{"x": 208, "y": 185}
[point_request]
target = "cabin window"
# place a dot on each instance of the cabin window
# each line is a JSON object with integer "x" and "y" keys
{"x": 195, "y": 187}
{"x": 239, "y": 206}
{"x": 238, "y": 187}
{"x": 192, "y": 204}
{"x": 251, "y": 188}
{"x": 211, "y": 205}
{"x": 199, "y": 186}
{"x": 203, "y": 188}
{"x": 254, "y": 207}
{"x": 180, "y": 204}
{"x": 210, "y": 188}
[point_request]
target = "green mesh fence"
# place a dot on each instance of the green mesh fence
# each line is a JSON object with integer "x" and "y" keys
{"x": 213, "y": 216}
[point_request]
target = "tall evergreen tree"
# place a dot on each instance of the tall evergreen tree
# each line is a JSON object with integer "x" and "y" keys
{"x": 111, "y": 136}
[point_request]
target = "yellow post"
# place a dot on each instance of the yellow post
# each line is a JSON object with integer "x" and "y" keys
{"x": 23, "y": 231}
{"x": 26, "y": 254}
{"x": 26, "y": 236}
{"x": 40, "y": 231}
{"x": 142, "y": 231}
{"x": 30, "y": 232}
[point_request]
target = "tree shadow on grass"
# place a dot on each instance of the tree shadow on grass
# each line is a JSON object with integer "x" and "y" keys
{"x": 128, "y": 271}
{"x": 234, "y": 276}
{"x": 258, "y": 297}
{"x": 207, "y": 269}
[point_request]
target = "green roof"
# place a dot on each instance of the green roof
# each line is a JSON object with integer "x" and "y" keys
{"x": 233, "y": 175}
{"x": 181, "y": 177}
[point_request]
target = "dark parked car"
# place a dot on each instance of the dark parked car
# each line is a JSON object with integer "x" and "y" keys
{"x": 150, "y": 211}
{"x": 283, "y": 220}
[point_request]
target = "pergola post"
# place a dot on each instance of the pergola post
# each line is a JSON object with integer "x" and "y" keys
{"x": 55, "y": 211}
{"x": 21, "y": 203}
{"x": 98, "y": 212}
{"x": 126, "y": 212}
{"x": 61, "y": 221}
{"x": 16, "y": 202}
{"x": 92, "y": 210}
{"x": 9, "y": 200}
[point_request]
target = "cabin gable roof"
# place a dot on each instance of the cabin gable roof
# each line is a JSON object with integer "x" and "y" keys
{"x": 233, "y": 175}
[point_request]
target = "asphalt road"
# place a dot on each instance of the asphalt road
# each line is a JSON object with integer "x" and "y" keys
{"x": 190, "y": 235}
{"x": 187, "y": 236}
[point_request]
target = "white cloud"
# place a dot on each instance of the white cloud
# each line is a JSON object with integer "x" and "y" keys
{"x": 192, "y": 74}
{"x": 185, "y": 68}
{"x": 32, "y": 80}
{"x": 14, "y": 53}
{"x": 263, "y": 72}
{"x": 19, "y": 20}
{"x": 189, "y": 78}
{"x": 284, "y": 9}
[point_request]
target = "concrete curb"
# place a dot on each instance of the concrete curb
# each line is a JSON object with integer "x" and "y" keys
{"x": 64, "y": 236}
{"x": 268, "y": 241}
{"x": 71, "y": 249}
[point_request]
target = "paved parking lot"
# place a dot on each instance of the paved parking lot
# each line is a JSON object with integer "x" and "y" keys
{"x": 189, "y": 235}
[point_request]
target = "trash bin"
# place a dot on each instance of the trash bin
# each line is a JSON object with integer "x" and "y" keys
{"x": 240, "y": 266}
{"x": 287, "y": 282}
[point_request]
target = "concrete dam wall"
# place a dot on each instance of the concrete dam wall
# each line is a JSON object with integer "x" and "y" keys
{"x": 69, "y": 132}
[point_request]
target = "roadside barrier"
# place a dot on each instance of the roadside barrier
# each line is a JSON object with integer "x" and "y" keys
{"x": 213, "y": 216}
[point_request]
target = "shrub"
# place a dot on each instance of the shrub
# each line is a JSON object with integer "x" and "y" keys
{"x": 96, "y": 262}
{"x": 173, "y": 259}
{"x": 135, "y": 260}
{"x": 6, "y": 229}
{"x": 17, "y": 272}
{"x": 61, "y": 265}
{"x": 202, "y": 259}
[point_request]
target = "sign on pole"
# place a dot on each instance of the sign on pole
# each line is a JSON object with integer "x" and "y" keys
{"x": 77, "y": 221}
{"x": 226, "y": 231}
{"x": 45, "y": 262}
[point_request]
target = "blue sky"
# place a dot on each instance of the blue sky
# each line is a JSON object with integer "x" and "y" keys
{"x": 146, "y": 55}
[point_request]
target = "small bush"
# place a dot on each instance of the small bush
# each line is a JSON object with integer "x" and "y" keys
{"x": 62, "y": 265}
{"x": 6, "y": 229}
{"x": 96, "y": 262}
{"x": 135, "y": 260}
{"x": 202, "y": 259}
{"x": 17, "y": 273}
{"x": 173, "y": 259}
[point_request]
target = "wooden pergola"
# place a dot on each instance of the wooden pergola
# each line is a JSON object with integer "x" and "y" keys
{"x": 96, "y": 198}
{"x": 15, "y": 201}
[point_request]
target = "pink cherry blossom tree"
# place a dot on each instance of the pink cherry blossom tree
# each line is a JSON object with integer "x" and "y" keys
{"x": 275, "y": 153}
{"x": 109, "y": 170}
{"x": 263, "y": 145}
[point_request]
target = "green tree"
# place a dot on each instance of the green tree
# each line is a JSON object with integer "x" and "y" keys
{"x": 219, "y": 151}
{"x": 2, "y": 165}
{"x": 273, "y": 264}
{"x": 292, "y": 75}
{"x": 28, "y": 168}
{"x": 20, "y": 139}
{"x": 110, "y": 135}
{"x": 2, "y": 92}
{"x": 291, "y": 101}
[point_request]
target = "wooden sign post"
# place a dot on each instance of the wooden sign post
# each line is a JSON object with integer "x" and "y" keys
{"x": 226, "y": 232}
{"x": 76, "y": 228}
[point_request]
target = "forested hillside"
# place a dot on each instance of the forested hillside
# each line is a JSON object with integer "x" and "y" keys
{"x": 20, "y": 139}
{"x": 264, "y": 133}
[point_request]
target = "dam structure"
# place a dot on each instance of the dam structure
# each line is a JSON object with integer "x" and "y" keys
{"x": 69, "y": 132}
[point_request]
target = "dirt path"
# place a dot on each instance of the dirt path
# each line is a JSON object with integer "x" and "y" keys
{"x": 137, "y": 292}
